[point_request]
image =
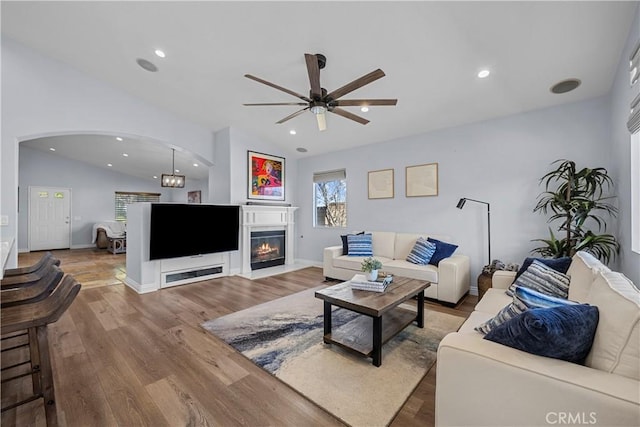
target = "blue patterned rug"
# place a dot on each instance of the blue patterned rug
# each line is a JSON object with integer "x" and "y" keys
{"x": 284, "y": 337}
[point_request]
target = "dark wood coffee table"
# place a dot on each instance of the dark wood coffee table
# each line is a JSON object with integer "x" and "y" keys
{"x": 361, "y": 334}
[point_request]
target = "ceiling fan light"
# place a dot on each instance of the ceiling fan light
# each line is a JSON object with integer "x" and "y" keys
{"x": 322, "y": 121}
{"x": 318, "y": 109}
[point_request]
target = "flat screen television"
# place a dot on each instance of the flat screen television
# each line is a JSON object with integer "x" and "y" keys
{"x": 179, "y": 230}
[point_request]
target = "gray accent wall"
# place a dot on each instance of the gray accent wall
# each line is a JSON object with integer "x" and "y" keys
{"x": 499, "y": 161}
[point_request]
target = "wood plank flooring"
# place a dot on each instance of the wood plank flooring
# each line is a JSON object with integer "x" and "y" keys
{"x": 123, "y": 359}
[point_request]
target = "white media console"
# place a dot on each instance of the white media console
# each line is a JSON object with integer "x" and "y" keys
{"x": 144, "y": 275}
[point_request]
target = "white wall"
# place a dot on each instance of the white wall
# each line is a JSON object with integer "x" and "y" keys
{"x": 220, "y": 174}
{"x": 499, "y": 161}
{"x": 92, "y": 189}
{"x": 41, "y": 96}
{"x": 619, "y": 142}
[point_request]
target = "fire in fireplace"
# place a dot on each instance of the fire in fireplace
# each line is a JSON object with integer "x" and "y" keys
{"x": 267, "y": 248}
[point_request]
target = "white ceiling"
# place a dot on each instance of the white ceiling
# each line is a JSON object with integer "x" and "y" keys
{"x": 430, "y": 52}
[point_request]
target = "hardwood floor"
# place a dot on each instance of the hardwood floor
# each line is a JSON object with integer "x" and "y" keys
{"x": 123, "y": 359}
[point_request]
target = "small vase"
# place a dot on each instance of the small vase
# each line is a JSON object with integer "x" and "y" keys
{"x": 372, "y": 275}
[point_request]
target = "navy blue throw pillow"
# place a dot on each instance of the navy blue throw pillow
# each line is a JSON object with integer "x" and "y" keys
{"x": 565, "y": 332}
{"x": 345, "y": 244}
{"x": 443, "y": 250}
{"x": 558, "y": 264}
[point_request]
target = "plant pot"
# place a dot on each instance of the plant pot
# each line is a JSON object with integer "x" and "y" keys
{"x": 372, "y": 275}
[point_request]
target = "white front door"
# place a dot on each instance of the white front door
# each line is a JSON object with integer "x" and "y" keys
{"x": 49, "y": 218}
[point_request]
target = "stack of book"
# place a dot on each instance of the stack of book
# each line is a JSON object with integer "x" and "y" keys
{"x": 360, "y": 282}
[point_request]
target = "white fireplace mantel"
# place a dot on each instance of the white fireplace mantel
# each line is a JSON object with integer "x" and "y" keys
{"x": 263, "y": 218}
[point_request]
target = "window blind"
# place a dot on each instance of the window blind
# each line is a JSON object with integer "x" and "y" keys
{"x": 124, "y": 198}
{"x": 335, "y": 175}
{"x": 633, "y": 124}
{"x": 634, "y": 116}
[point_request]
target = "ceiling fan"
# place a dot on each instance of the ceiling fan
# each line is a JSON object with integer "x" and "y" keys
{"x": 319, "y": 101}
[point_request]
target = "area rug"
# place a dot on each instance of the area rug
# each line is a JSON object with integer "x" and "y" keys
{"x": 284, "y": 337}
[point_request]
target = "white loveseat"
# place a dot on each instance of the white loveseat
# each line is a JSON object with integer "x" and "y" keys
{"x": 480, "y": 382}
{"x": 449, "y": 280}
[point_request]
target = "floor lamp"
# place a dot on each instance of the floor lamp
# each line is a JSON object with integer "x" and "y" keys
{"x": 460, "y": 205}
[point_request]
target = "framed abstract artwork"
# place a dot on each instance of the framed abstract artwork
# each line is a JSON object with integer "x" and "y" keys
{"x": 194, "y": 196}
{"x": 381, "y": 184}
{"x": 266, "y": 176}
{"x": 422, "y": 180}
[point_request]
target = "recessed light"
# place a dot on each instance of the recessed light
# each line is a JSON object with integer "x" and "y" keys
{"x": 195, "y": 165}
{"x": 159, "y": 53}
{"x": 119, "y": 139}
{"x": 301, "y": 150}
{"x": 155, "y": 176}
{"x": 52, "y": 149}
{"x": 125, "y": 155}
{"x": 565, "y": 86}
{"x": 292, "y": 132}
{"x": 483, "y": 74}
{"x": 364, "y": 109}
{"x": 147, "y": 65}
{"x": 177, "y": 170}
{"x": 109, "y": 164}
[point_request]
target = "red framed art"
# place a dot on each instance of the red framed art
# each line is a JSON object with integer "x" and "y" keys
{"x": 266, "y": 176}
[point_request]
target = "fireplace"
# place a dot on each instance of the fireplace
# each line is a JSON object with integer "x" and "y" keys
{"x": 267, "y": 248}
{"x": 259, "y": 218}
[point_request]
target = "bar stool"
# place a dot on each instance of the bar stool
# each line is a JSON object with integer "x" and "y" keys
{"x": 35, "y": 317}
{"x": 30, "y": 268}
{"x": 32, "y": 292}
{"x": 31, "y": 274}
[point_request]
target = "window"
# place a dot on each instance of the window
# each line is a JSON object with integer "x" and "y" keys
{"x": 330, "y": 199}
{"x": 123, "y": 198}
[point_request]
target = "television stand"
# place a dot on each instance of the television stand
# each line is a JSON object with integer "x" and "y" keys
{"x": 179, "y": 271}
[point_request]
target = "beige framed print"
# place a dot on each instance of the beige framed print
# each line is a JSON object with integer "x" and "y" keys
{"x": 381, "y": 184}
{"x": 422, "y": 180}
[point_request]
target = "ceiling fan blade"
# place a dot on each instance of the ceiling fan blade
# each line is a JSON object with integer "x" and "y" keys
{"x": 322, "y": 121}
{"x": 363, "y": 102}
{"x": 356, "y": 84}
{"x": 275, "y": 103}
{"x": 275, "y": 86}
{"x": 291, "y": 116}
{"x": 314, "y": 75}
{"x": 348, "y": 115}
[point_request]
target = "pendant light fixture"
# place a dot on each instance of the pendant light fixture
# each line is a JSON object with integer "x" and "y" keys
{"x": 172, "y": 180}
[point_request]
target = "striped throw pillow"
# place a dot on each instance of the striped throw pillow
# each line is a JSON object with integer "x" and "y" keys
{"x": 523, "y": 300}
{"x": 422, "y": 252}
{"x": 543, "y": 279}
{"x": 360, "y": 245}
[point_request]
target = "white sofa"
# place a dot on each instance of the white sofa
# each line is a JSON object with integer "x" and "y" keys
{"x": 449, "y": 280}
{"x": 480, "y": 382}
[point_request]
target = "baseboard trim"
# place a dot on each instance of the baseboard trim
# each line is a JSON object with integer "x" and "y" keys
{"x": 141, "y": 289}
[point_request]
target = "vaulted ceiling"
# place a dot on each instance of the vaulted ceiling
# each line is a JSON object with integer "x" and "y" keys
{"x": 430, "y": 51}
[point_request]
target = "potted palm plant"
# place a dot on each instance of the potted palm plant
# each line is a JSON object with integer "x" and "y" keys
{"x": 371, "y": 266}
{"x": 579, "y": 200}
